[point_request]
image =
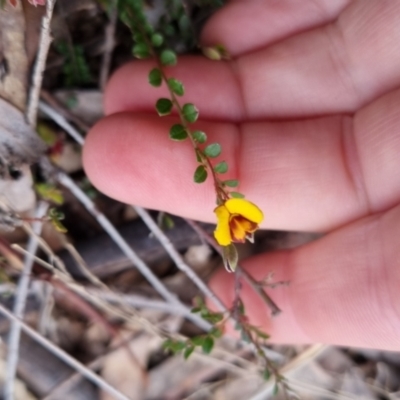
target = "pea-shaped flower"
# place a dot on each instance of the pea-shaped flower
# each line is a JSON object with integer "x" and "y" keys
{"x": 238, "y": 219}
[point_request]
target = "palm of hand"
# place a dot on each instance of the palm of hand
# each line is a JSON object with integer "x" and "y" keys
{"x": 310, "y": 125}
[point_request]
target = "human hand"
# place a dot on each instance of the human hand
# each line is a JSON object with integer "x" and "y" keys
{"x": 308, "y": 117}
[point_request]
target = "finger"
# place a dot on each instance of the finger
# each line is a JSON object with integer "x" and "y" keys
{"x": 332, "y": 69}
{"x": 208, "y": 84}
{"x": 273, "y": 22}
{"x": 306, "y": 175}
{"x": 343, "y": 288}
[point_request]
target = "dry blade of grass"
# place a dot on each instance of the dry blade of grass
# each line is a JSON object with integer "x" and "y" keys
{"x": 62, "y": 355}
{"x": 40, "y": 64}
{"x": 67, "y": 182}
{"x": 19, "y": 305}
{"x": 177, "y": 258}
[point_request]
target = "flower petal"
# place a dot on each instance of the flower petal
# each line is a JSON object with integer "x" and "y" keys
{"x": 237, "y": 231}
{"x": 222, "y": 232}
{"x": 248, "y": 226}
{"x": 245, "y": 208}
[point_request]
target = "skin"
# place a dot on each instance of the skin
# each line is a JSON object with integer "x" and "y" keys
{"x": 307, "y": 113}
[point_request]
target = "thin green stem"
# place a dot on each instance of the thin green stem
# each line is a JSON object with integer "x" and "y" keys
{"x": 221, "y": 194}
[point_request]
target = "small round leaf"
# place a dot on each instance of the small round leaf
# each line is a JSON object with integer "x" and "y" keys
{"x": 155, "y": 77}
{"x": 138, "y": 37}
{"x": 188, "y": 351}
{"x": 168, "y": 57}
{"x": 140, "y": 50}
{"x": 163, "y": 106}
{"x": 208, "y": 345}
{"x": 231, "y": 183}
{"x": 199, "y": 136}
{"x": 178, "y": 132}
{"x": 200, "y": 175}
{"x": 176, "y": 86}
{"x": 190, "y": 112}
{"x": 157, "y": 39}
{"x": 197, "y": 340}
{"x": 213, "y": 150}
{"x": 221, "y": 167}
{"x": 237, "y": 195}
{"x": 266, "y": 374}
{"x": 216, "y": 332}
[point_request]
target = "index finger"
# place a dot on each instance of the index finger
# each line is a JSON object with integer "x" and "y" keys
{"x": 305, "y": 175}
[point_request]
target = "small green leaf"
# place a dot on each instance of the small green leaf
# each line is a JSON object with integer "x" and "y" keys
{"x": 195, "y": 310}
{"x": 190, "y": 112}
{"x": 213, "y": 318}
{"x": 199, "y": 136}
{"x": 163, "y": 106}
{"x": 275, "y": 389}
{"x": 164, "y": 221}
{"x": 140, "y": 50}
{"x": 47, "y": 134}
{"x": 237, "y": 195}
{"x": 59, "y": 226}
{"x": 155, "y": 77}
{"x": 230, "y": 257}
{"x": 242, "y": 310}
{"x": 266, "y": 374}
{"x": 184, "y": 23}
{"x": 176, "y": 86}
{"x": 55, "y": 217}
{"x": 216, "y": 332}
{"x": 168, "y": 344}
{"x": 198, "y": 340}
{"x": 245, "y": 337}
{"x": 157, "y": 39}
{"x": 231, "y": 183}
{"x": 138, "y": 37}
{"x": 208, "y": 345}
{"x": 49, "y": 192}
{"x": 55, "y": 214}
{"x": 262, "y": 334}
{"x": 168, "y": 58}
{"x": 200, "y": 175}
{"x": 213, "y": 150}
{"x": 188, "y": 351}
{"x": 169, "y": 30}
{"x": 174, "y": 345}
{"x": 221, "y": 167}
{"x": 178, "y": 132}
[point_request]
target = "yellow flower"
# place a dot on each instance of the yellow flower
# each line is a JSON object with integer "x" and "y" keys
{"x": 237, "y": 219}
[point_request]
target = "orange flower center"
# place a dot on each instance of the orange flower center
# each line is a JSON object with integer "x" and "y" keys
{"x": 240, "y": 227}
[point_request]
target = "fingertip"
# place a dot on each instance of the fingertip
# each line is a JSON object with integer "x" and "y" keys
{"x": 97, "y": 155}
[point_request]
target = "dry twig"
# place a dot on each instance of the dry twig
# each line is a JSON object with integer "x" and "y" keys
{"x": 40, "y": 64}
{"x": 109, "y": 44}
{"x": 66, "y": 181}
{"x": 177, "y": 258}
{"x": 19, "y": 305}
{"x": 62, "y": 355}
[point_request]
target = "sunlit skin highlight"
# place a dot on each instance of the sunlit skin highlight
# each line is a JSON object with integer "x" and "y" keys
{"x": 238, "y": 219}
